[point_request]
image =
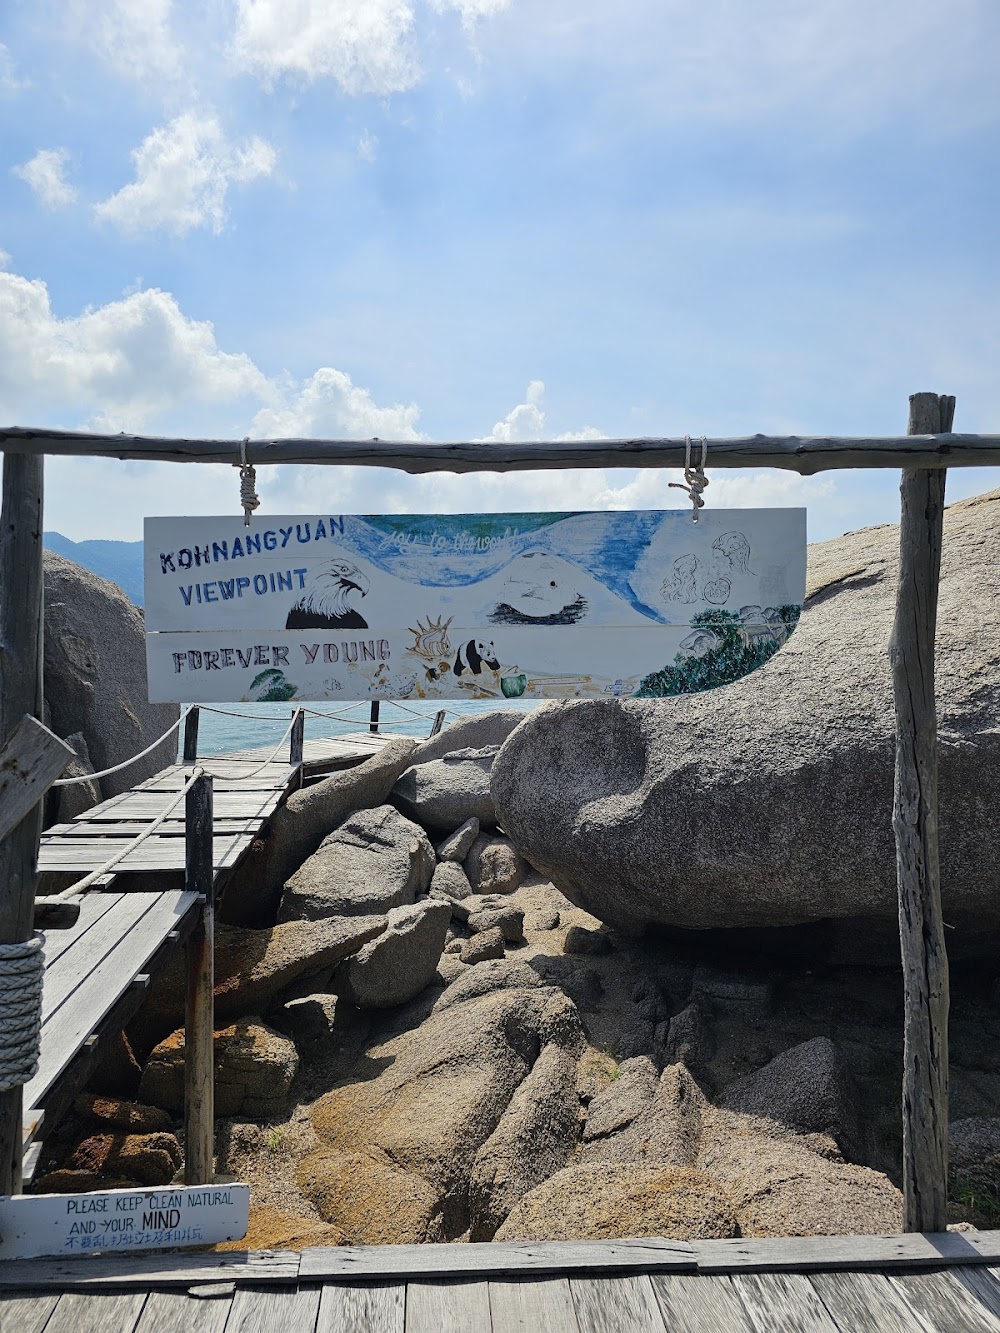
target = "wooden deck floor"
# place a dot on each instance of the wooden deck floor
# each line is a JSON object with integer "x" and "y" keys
{"x": 765, "y": 1288}
{"x": 90, "y": 970}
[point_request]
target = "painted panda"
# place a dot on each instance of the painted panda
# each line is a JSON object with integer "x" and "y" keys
{"x": 473, "y": 656}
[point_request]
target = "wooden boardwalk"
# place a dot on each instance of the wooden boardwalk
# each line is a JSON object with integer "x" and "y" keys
{"x": 861, "y": 1284}
{"x": 96, "y": 972}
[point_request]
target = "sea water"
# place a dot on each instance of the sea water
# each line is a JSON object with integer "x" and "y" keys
{"x": 219, "y": 733}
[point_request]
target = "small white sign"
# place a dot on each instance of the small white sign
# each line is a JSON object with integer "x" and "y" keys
{"x": 116, "y": 1221}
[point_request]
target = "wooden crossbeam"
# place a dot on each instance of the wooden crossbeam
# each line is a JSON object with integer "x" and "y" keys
{"x": 802, "y": 454}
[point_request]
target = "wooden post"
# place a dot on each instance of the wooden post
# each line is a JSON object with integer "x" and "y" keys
{"x": 297, "y": 745}
{"x": 20, "y": 693}
{"x": 373, "y": 723}
{"x": 915, "y": 823}
{"x": 437, "y": 724}
{"x": 190, "y": 752}
{"x": 199, "y": 1014}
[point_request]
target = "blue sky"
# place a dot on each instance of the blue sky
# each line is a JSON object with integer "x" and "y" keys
{"x": 494, "y": 218}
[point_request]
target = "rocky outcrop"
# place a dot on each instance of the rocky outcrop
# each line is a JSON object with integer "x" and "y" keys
{"x": 299, "y": 826}
{"x": 806, "y": 1088}
{"x": 254, "y": 1068}
{"x": 457, "y": 844}
{"x": 440, "y": 1091}
{"x": 768, "y": 802}
{"x": 444, "y": 793}
{"x": 399, "y": 963}
{"x": 95, "y": 674}
{"x": 473, "y": 731}
{"x": 606, "y": 1203}
{"x": 374, "y": 861}
{"x": 254, "y": 967}
{"x": 493, "y": 865}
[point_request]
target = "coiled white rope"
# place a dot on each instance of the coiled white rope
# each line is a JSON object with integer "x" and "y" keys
{"x": 248, "y": 484}
{"x": 122, "y": 852}
{"x": 22, "y": 969}
{"x": 126, "y": 763}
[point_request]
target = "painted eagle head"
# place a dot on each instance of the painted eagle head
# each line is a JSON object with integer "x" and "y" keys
{"x": 329, "y": 590}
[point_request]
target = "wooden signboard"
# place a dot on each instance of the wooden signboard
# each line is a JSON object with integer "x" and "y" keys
{"x": 444, "y": 606}
{"x": 115, "y": 1221}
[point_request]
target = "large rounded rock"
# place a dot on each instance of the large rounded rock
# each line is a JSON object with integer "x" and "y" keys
{"x": 375, "y": 861}
{"x": 254, "y": 1068}
{"x": 399, "y": 963}
{"x": 443, "y": 793}
{"x": 768, "y": 802}
{"x": 606, "y": 1202}
{"x": 95, "y": 674}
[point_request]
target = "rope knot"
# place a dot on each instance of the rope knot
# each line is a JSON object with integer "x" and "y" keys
{"x": 249, "y": 498}
{"x": 695, "y": 480}
{"x": 22, "y": 969}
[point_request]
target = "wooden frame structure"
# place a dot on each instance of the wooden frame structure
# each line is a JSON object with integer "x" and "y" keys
{"x": 928, "y": 448}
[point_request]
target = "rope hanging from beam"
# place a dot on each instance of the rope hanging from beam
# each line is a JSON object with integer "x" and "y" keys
{"x": 22, "y": 969}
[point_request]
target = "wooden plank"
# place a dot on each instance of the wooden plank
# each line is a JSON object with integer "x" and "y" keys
{"x": 692, "y": 1303}
{"x": 373, "y": 1308}
{"x": 533, "y": 1303}
{"x": 72, "y": 968}
{"x": 984, "y": 1285}
{"x": 170, "y": 828}
{"x": 103, "y": 1313}
{"x": 447, "y": 1307}
{"x": 868, "y": 1303}
{"x": 149, "y": 1270}
{"x": 177, "y": 1312}
{"x": 813, "y": 1253}
{"x": 156, "y": 853}
{"x": 25, "y": 1314}
{"x": 92, "y": 907}
{"x": 71, "y": 1025}
{"x": 616, "y": 1305}
{"x": 29, "y": 763}
{"x": 945, "y": 1303}
{"x": 285, "y": 1309}
{"x": 351, "y": 1262}
{"x": 147, "y": 805}
{"x": 782, "y": 1303}
{"x": 802, "y": 454}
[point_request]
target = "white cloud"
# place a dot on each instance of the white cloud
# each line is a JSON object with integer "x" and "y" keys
{"x": 9, "y": 81}
{"x": 840, "y": 62}
{"x": 472, "y": 10}
{"x": 46, "y": 174}
{"x": 120, "y": 365}
{"x": 4, "y": 258}
{"x": 368, "y": 146}
{"x": 183, "y": 171}
{"x": 329, "y": 406}
{"x": 133, "y": 37}
{"x": 364, "y": 45}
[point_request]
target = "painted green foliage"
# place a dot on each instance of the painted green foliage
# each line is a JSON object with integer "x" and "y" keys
{"x": 740, "y": 649}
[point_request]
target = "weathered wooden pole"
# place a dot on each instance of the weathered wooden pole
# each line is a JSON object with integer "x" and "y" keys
{"x": 199, "y": 1009}
{"x": 373, "y": 720}
{"x": 190, "y": 751}
{"x": 20, "y": 694}
{"x": 297, "y": 742}
{"x": 915, "y": 822}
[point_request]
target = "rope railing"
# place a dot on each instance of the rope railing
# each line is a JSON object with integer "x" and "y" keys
{"x": 244, "y": 777}
{"x": 75, "y": 889}
{"x": 249, "y": 717}
{"x": 126, "y": 763}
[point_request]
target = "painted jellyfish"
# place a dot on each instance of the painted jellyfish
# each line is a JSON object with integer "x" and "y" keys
{"x": 735, "y": 549}
{"x": 680, "y": 585}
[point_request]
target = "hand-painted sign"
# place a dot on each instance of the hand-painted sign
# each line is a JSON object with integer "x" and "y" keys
{"x": 115, "y": 1221}
{"x": 444, "y": 606}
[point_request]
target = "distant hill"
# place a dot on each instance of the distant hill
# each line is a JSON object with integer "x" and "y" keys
{"x": 121, "y": 562}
